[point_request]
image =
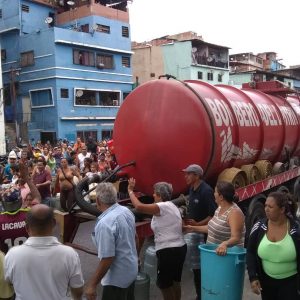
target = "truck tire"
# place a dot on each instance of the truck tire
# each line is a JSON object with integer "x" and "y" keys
{"x": 255, "y": 212}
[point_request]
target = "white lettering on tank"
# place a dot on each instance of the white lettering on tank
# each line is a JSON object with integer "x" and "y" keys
{"x": 16, "y": 225}
{"x": 269, "y": 114}
{"x": 221, "y": 112}
{"x": 245, "y": 114}
{"x": 289, "y": 116}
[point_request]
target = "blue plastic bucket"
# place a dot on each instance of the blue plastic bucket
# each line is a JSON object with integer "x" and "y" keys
{"x": 222, "y": 277}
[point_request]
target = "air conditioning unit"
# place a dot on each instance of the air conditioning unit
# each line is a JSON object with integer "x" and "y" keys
{"x": 115, "y": 102}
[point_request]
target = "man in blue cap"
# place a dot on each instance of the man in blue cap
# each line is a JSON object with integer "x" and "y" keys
{"x": 201, "y": 208}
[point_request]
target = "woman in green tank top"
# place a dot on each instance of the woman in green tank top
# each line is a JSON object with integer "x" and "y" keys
{"x": 274, "y": 250}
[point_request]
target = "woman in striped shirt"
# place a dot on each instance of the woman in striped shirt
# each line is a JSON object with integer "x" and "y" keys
{"x": 227, "y": 227}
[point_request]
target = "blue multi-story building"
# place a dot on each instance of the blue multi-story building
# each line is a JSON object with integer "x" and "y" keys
{"x": 66, "y": 66}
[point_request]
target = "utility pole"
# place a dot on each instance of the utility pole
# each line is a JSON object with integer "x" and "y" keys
{"x": 2, "y": 124}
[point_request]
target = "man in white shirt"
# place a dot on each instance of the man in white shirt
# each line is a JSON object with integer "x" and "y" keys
{"x": 81, "y": 156}
{"x": 43, "y": 268}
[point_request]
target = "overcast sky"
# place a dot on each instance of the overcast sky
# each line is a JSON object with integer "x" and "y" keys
{"x": 244, "y": 26}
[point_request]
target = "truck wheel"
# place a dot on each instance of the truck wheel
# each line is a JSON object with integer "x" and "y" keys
{"x": 255, "y": 212}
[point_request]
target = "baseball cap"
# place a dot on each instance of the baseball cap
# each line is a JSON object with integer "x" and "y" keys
{"x": 194, "y": 169}
{"x": 11, "y": 200}
{"x": 12, "y": 154}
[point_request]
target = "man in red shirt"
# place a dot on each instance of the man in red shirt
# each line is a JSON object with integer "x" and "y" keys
{"x": 42, "y": 180}
{"x": 12, "y": 219}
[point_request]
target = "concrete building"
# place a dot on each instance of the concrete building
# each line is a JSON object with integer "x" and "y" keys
{"x": 248, "y": 61}
{"x": 237, "y": 79}
{"x": 66, "y": 66}
{"x": 184, "y": 55}
{"x": 246, "y": 67}
{"x": 293, "y": 72}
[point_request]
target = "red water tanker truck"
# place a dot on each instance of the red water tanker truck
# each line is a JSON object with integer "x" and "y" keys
{"x": 248, "y": 136}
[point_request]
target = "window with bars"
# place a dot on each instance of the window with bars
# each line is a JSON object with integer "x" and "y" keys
{"x": 126, "y": 61}
{"x": 25, "y": 8}
{"x": 125, "y": 31}
{"x": 0, "y": 13}
{"x": 64, "y": 93}
{"x": 27, "y": 59}
{"x": 210, "y": 76}
{"x": 200, "y": 75}
{"x": 103, "y": 28}
{"x": 84, "y": 58}
{"x": 104, "y": 61}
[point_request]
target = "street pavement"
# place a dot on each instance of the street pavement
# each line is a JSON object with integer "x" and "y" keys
{"x": 89, "y": 263}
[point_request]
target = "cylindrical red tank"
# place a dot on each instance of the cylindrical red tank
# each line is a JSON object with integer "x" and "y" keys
{"x": 165, "y": 125}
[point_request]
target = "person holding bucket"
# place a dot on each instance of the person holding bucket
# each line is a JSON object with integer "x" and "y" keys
{"x": 227, "y": 227}
{"x": 273, "y": 252}
{"x": 170, "y": 246}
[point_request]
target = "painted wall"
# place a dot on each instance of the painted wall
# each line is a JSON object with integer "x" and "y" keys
{"x": 10, "y": 15}
{"x": 178, "y": 59}
{"x": 34, "y": 20}
{"x": 147, "y": 63}
{"x": 224, "y": 73}
{"x": 238, "y": 79}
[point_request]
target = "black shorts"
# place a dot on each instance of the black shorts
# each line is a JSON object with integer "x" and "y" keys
{"x": 111, "y": 292}
{"x": 169, "y": 265}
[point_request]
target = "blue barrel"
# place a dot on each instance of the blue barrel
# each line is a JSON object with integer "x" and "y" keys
{"x": 222, "y": 277}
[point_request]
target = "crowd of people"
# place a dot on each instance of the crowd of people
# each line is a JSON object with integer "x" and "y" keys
{"x": 56, "y": 169}
{"x": 273, "y": 250}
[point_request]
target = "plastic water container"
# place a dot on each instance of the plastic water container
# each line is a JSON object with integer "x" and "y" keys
{"x": 193, "y": 240}
{"x": 142, "y": 286}
{"x": 150, "y": 263}
{"x": 222, "y": 277}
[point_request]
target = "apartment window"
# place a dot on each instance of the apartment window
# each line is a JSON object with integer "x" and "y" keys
{"x": 106, "y": 134}
{"x": 85, "y": 135}
{"x": 64, "y": 93}
{"x": 41, "y": 98}
{"x": 126, "y": 61}
{"x": 104, "y": 61}
{"x": 84, "y": 58}
{"x": 86, "y": 97}
{"x": 125, "y": 31}
{"x": 210, "y": 76}
{"x": 85, "y": 28}
{"x": 27, "y": 59}
{"x": 103, "y": 28}
{"x": 0, "y": 13}
{"x": 220, "y": 77}
{"x": 97, "y": 98}
{"x": 3, "y": 55}
{"x": 200, "y": 75}
{"x": 25, "y": 8}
